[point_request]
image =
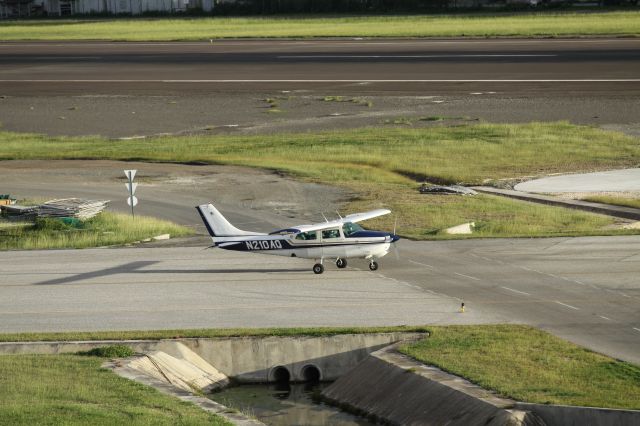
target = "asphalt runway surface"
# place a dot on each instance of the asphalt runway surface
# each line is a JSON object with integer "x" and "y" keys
{"x": 134, "y": 89}
{"x": 388, "y": 62}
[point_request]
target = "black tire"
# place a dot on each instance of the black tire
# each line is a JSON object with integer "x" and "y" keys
{"x": 373, "y": 266}
{"x": 318, "y": 268}
{"x": 341, "y": 263}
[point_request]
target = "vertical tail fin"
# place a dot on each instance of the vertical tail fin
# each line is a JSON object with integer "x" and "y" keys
{"x": 217, "y": 225}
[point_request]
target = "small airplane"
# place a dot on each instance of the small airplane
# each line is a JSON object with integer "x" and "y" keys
{"x": 338, "y": 239}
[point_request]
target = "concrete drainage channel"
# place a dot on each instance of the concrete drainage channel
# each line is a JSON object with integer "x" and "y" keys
{"x": 369, "y": 377}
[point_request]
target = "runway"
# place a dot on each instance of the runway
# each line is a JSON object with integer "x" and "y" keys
{"x": 583, "y": 64}
{"x": 584, "y": 289}
{"x": 145, "y": 89}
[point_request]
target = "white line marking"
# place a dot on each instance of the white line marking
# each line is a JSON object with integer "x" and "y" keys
{"x": 578, "y": 282}
{"x": 625, "y": 295}
{"x": 516, "y": 291}
{"x": 48, "y": 58}
{"x": 585, "y": 80}
{"x": 636, "y": 329}
{"x": 603, "y": 317}
{"x": 468, "y": 276}
{"x": 568, "y": 306}
{"x": 505, "y": 55}
{"x": 422, "y": 264}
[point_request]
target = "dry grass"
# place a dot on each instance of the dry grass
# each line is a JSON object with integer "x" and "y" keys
{"x": 103, "y": 230}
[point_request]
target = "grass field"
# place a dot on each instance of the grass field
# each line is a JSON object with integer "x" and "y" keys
{"x": 530, "y": 365}
{"x": 613, "y": 200}
{"x": 103, "y": 230}
{"x": 529, "y": 24}
{"x": 75, "y": 390}
{"x": 383, "y": 166}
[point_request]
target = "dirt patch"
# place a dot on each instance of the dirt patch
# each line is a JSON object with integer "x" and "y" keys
{"x": 255, "y": 199}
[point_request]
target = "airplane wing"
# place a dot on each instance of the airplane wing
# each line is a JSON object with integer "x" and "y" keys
{"x": 355, "y": 217}
{"x": 359, "y": 217}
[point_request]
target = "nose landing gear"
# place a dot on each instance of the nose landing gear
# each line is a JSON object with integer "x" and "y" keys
{"x": 341, "y": 263}
{"x": 373, "y": 265}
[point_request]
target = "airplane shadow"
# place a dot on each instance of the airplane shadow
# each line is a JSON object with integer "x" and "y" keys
{"x": 136, "y": 268}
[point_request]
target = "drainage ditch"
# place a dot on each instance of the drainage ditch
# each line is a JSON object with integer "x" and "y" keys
{"x": 286, "y": 404}
{"x": 282, "y": 402}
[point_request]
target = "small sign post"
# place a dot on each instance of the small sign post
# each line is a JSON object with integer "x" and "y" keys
{"x": 131, "y": 187}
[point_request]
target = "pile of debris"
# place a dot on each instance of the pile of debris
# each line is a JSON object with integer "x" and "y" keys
{"x": 446, "y": 190}
{"x": 68, "y": 207}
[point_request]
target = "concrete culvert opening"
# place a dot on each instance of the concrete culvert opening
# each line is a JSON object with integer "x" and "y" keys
{"x": 311, "y": 373}
{"x": 280, "y": 374}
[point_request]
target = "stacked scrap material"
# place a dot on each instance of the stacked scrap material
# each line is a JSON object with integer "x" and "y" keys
{"x": 21, "y": 212}
{"x": 71, "y": 207}
{"x": 446, "y": 190}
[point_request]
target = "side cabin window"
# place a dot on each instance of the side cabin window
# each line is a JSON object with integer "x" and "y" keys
{"x": 330, "y": 233}
{"x": 351, "y": 228}
{"x": 306, "y": 236}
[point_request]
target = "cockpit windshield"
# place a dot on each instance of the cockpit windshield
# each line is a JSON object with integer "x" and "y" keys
{"x": 351, "y": 228}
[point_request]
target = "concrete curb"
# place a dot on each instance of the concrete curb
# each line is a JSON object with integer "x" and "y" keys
{"x": 606, "y": 209}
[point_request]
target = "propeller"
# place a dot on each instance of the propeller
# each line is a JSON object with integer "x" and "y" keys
{"x": 395, "y": 248}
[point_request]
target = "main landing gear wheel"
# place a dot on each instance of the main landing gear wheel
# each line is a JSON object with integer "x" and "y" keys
{"x": 341, "y": 263}
{"x": 318, "y": 268}
{"x": 373, "y": 266}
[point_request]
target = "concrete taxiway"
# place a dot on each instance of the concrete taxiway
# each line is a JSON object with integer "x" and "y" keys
{"x": 627, "y": 180}
{"x": 583, "y": 289}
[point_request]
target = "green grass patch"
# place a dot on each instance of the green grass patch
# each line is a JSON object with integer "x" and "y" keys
{"x": 103, "y": 230}
{"x": 75, "y": 390}
{"x": 530, "y": 365}
{"x": 382, "y": 165}
{"x": 423, "y": 216}
{"x": 111, "y": 351}
{"x": 615, "y": 201}
{"x": 203, "y": 333}
{"x": 531, "y": 24}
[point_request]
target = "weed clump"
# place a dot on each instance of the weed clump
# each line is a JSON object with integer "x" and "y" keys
{"x": 111, "y": 351}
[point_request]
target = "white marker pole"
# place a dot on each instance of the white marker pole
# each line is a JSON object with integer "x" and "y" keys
{"x": 131, "y": 187}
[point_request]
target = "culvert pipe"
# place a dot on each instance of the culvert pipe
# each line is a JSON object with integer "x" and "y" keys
{"x": 311, "y": 374}
{"x": 280, "y": 374}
